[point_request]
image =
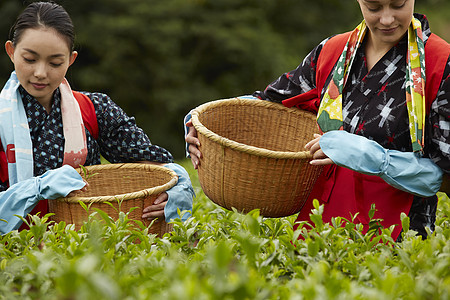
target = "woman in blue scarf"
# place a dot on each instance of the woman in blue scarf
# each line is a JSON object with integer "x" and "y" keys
{"x": 44, "y": 133}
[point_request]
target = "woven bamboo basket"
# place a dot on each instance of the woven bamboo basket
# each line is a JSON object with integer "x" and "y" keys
{"x": 131, "y": 184}
{"x": 253, "y": 155}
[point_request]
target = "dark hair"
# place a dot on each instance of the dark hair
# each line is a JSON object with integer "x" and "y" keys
{"x": 44, "y": 14}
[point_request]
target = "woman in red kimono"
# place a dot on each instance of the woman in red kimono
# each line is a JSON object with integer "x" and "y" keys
{"x": 379, "y": 115}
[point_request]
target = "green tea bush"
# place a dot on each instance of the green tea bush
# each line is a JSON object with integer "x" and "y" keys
{"x": 221, "y": 254}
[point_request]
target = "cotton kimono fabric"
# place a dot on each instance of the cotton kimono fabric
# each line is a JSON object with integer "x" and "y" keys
{"x": 330, "y": 114}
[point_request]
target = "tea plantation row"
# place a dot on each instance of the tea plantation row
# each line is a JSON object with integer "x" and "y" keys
{"x": 219, "y": 254}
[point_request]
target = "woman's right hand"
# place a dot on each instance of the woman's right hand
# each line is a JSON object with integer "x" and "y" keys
{"x": 193, "y": 142}
{"x": 319, "y": 158}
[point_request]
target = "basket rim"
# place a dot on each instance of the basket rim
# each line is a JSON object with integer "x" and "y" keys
{"x": 127, "y": 196}
{"x": 202, "y": 129}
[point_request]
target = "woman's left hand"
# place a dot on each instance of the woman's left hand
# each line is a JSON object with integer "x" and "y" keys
{"x": 319, "y": 158}
{"x": 156, "y": 210}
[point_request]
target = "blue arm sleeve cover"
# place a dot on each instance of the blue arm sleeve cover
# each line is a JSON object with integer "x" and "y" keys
{"x": 180, "y": 196}
{"x": 22, "y": 197}
{"x": 403, "y": 170}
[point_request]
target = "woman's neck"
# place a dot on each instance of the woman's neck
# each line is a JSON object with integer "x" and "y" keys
{"x": 47, "y": 105}
{"x": 375, "y": 51}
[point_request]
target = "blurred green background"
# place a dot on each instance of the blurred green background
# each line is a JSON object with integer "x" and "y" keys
{"x": 159, "y": 59}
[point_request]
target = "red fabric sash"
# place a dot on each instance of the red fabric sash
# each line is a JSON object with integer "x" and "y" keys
{"x": 328, "y": 57}
{"x": 3, "y": 165}
{"x": 88, "y": 113}
{"x": 437, "y": 52}
{"x": 346, "y": 192}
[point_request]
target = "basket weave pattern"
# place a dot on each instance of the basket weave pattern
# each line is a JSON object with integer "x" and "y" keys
{"x": 135, "y": 185}
{"x": 253, "y": 155}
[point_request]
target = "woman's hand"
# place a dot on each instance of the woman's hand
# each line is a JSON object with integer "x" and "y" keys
{"x": 77, "y": 192}
{"x": 193, "y": 141}
{"x": 319, "y": 158}
{"x": 156, "y": 210}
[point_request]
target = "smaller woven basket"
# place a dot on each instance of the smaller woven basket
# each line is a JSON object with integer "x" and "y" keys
{"x": 131, "y": 184}
{"x": 253, "y": 155}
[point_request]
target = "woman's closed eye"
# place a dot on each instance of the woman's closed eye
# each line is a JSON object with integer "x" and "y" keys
{"x": 29, "y": 60}
{"x": 56, "y": 64}
{"x": 374, "y": 8}
{"x": 398, "y": 6}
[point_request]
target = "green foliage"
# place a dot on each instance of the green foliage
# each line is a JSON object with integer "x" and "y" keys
{"x": 159, "y": 59}
{"x": 221, "y": 254}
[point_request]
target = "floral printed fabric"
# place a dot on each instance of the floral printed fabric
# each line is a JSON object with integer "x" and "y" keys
{"x": 330, "y": 115}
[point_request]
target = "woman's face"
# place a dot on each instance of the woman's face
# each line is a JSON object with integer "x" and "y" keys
{"x": 387, "y": 20}
{"x": 41, "y": 59}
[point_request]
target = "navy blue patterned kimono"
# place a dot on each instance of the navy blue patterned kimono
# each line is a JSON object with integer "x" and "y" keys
{"x": 374, "y": 106}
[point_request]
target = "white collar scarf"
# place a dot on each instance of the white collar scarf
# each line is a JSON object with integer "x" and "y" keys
{"x": 15, "y": 133}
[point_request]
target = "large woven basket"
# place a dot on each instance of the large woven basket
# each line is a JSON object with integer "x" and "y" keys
{"x": 131, "y": 184}
{"x": 253, "y": 155}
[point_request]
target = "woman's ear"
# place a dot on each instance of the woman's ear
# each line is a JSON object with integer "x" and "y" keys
{"x": 72, "y": 58}
{"x": 9, "y": 47}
